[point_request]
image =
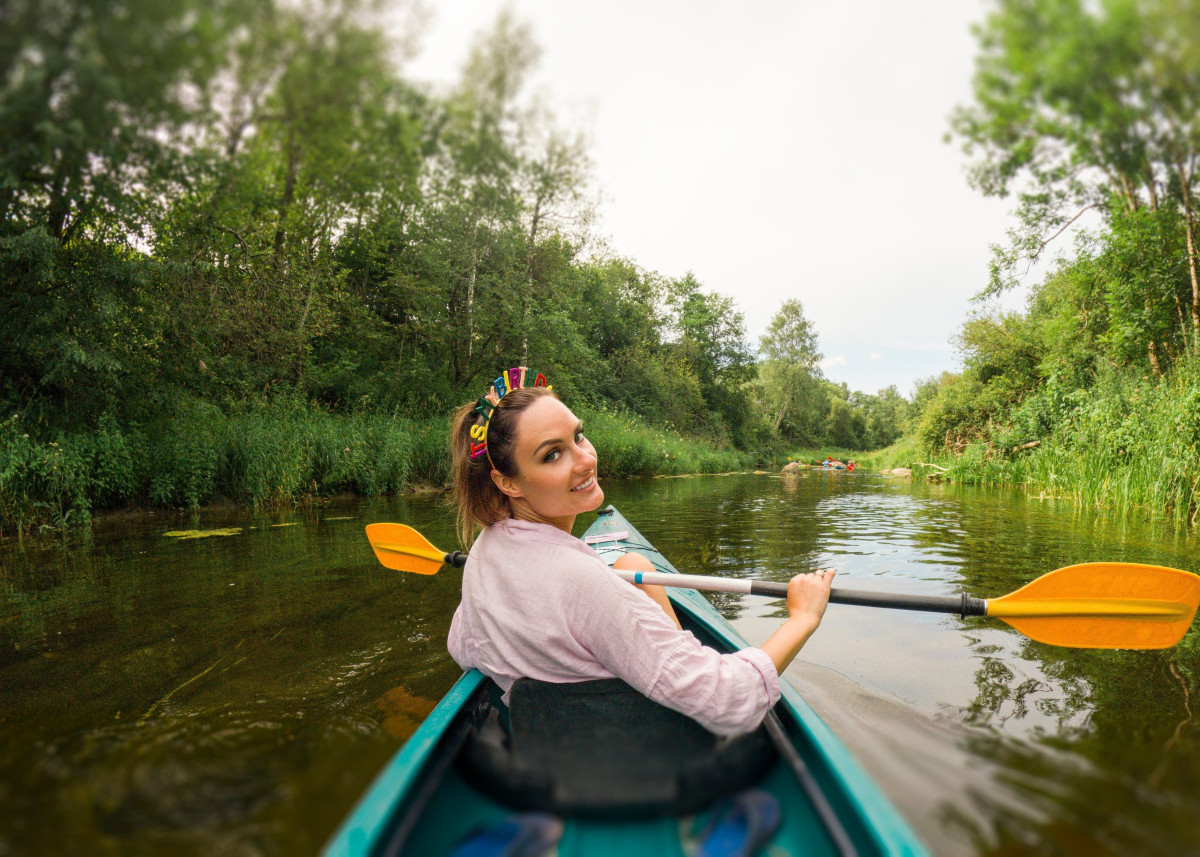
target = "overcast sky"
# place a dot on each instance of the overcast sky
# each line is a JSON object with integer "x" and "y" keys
{"x": 777, "y": 150}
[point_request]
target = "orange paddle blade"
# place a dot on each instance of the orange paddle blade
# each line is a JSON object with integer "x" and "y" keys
{"x": 1104, "y": 605}
{"x": 401, "y": 548}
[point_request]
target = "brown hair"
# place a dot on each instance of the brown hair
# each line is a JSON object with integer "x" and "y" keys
{"x": 477, "y": 499}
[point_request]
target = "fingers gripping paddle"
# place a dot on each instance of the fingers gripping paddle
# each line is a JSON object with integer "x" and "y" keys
{"x": 1095, "y": 605}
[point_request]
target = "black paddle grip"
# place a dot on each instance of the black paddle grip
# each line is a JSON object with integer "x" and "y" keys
{"x": 457, "y": 559}
{"x": 963, "y": 604}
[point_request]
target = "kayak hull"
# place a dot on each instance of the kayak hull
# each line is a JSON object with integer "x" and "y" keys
{"x": 422, "y": 803}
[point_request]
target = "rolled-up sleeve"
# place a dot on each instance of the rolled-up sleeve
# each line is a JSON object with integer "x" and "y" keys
{"x": 459, "y": 642}
{"x": 631, "y": 635}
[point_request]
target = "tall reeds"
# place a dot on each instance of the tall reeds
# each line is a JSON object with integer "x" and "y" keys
{"x": 626, "y": 446}
{"x": 277, "y": 451}
{"x": 1128, "y": 444}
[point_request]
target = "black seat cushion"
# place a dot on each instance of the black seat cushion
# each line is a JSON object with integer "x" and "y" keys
{"x": 601, "y": 748}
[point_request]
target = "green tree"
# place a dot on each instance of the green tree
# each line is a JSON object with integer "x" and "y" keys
{"x": 710, "y": 337}
{"x": 1145, "y": 285}
{"x": 1071, "y": 312}
{"x": 1082, "y": 106}
{"x": 473, "y": 188}
{"x": 98, "y": 100}
{"x": 789, "y": 368}
{"x": 318, "y": 139}
{"x": 553, "y": 179}
{"x": 885, "y": 416}
{"x": 844, "y": 426}
{"x": 1002, "y": 350}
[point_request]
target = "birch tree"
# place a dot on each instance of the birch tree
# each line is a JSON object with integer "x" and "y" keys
{"x": 789, "y": 368}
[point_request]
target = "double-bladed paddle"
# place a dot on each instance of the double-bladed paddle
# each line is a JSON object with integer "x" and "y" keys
{"x": 1094, "y": 605}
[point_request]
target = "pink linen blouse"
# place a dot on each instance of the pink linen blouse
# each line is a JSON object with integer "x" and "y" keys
{"x": 539, "y": 603}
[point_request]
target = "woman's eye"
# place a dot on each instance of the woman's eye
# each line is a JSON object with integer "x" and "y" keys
{"x": 579, "y": 436}
{"x": 552, "y": 455}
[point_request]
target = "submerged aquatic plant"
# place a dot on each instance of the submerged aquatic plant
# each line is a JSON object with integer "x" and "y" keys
{"x": 203, "y": 534}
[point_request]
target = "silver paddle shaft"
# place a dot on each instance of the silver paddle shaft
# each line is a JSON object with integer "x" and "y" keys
{"x": 963, "y": 604}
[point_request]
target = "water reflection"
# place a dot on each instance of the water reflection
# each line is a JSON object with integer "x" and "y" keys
{"x": 1038, "y": 750}
{"x": 226, "y": 695}
{"x": 234, "y": 695}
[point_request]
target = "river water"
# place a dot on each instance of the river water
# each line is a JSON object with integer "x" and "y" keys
{"x": 234, "y": 694}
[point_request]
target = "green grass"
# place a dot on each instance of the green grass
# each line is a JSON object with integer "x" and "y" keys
{"x": 626, "y": 446}
{"x": 905, "y": 452}
{"x": 266, "y": 452}
{"x": 1129, "y": 445}
{"x": 281, "y": 450}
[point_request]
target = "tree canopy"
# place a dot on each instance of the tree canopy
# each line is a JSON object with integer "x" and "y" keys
{"x": 1079, "y": 108}
{"x": 216, "y": 202}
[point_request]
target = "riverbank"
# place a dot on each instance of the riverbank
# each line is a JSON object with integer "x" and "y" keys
{"x": 282, "y": 451}
{"x": 1129, "y": 445}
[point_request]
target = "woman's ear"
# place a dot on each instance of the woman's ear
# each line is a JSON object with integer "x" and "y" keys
{"x": 507, "y": 485}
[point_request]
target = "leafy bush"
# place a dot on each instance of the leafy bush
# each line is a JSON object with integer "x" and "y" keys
{"x": 1127, "y": 443}
{"x": 41, "y": 481}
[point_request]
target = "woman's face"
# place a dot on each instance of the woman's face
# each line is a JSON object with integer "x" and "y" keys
{"x": 556, "y": 466}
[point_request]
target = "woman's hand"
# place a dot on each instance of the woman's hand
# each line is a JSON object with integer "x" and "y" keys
{"x": 808, "y": 594}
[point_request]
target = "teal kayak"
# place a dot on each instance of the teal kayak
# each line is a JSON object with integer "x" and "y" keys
{"x": 453, "y": 776}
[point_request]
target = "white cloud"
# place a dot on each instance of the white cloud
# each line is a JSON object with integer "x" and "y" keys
{"x": 874, "y": 355}
{"x": 832, "y": 362}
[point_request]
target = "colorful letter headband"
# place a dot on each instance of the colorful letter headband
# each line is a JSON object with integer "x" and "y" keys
{"x": 514, "y": 379}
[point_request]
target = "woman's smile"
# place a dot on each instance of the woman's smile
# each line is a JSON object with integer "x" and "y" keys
{"x": 586, "y": 484}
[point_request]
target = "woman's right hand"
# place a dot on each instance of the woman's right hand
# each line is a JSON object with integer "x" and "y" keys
{"x": 808, "y": 595}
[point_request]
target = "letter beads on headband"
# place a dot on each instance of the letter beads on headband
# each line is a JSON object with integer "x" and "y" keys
{"x": 514, "y": 379}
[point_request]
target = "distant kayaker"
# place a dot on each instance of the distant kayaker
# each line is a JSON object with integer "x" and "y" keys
{"x": 539, "y": 603}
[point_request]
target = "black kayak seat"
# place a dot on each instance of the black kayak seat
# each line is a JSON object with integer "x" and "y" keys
{"x": 602, "y": 749}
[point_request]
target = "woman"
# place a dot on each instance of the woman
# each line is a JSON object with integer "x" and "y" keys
{"x": 541, "y": 604}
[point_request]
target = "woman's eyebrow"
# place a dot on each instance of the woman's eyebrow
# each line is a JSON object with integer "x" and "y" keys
{"x": 578, "y": 429}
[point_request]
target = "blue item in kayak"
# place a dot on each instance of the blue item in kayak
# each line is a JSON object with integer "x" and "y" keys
{"x": 529, "y": 834}
{"x": 740, "y": 825}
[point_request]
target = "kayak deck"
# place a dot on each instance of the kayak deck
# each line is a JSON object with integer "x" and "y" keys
{"x": 422, "y": 803}
{"x": 461, "y": 808}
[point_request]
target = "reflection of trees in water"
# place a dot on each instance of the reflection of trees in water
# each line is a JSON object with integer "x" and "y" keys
{"x": 1008, "y": 691}
{"x": 1048, "y": 800}
{"x": 234, "y": 779}
{"x": 143, "y": 698}
{"x": 1112, "y": 764}
{"x": 1089, "y": 752}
